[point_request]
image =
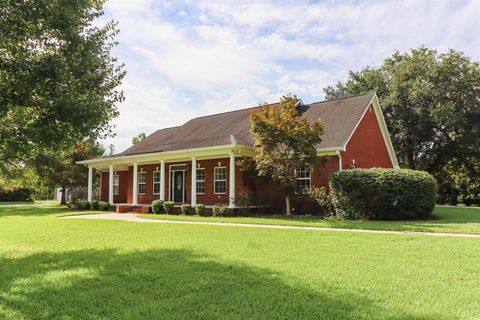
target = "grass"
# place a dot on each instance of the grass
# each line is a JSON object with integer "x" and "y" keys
{"x": 29, "y": 202}
{"x": 94, "y": 269}
{"x": 449, "y": 219}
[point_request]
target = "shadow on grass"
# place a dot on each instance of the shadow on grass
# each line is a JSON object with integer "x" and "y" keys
{"x": 28, "y": 211}
{"x": 166, "y": 284}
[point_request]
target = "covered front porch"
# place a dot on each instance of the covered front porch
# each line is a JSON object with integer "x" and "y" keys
{"x": 208, "y": 176}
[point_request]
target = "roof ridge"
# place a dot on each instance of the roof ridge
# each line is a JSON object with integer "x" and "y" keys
{"x": 231, "y": 111}
{"x": 342, "y": 98}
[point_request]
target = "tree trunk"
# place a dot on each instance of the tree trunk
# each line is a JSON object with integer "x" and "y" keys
{"x": 63, "y": 198}
{"x": 287, "y": 205}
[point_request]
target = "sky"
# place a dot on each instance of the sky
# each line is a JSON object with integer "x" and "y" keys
{"x": 186, "y": 59}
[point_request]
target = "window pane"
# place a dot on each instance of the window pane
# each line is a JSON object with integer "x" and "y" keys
{"x": 220, "y": 187}
{"x": 141, "y": 188}
{"x": 201, "y": 174}
{"x": 142, "y": 176}
{"x": 156, "y": 188}
{"x": 200, "y": 187}
{"x": 220, "y": 173}
{"x": 156, "y": 176}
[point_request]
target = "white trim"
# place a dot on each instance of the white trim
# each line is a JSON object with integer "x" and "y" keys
{"x": 225, "y": 180}
{"x": 172, "y": 181}
{"x": 156, "y": 154}
{"x": 110, "y": 184}
{"x": 200, "y": 181}
{"x": 340, "y": 161}
{"x": 231, "y": 181}
{"x": 383, "y": 128}
{"x": 162, "y": 180}
{"x": 154, "y": 183}
{"x": 135, "y": 186}
{"x": 144, "y": 183}
{"x": 193, "y": 187}
{"x": 90, "y": 183}
{"x": 118, "y": 184}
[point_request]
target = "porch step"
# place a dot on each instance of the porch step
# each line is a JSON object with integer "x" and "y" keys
{"x": 125, "y": 208}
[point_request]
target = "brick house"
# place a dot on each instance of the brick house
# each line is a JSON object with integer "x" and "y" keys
{"x": 197, "y": 161}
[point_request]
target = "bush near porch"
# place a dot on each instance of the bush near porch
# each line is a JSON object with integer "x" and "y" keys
{"x": 383, "y": 194}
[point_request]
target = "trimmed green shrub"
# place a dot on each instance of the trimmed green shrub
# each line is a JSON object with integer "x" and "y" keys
{"x": 200, "y": 209}
{"x": 168, "y": 205}
{"x": 383, "y": 194}
{"x": 186, "y": 209}
{"x": 157, "y": 207}
{"x": 220, "y": 210}
{"x": 104, "y": 206}
{"x": 81, "y": 204}
{"x": 324, "y": 200}
{"x": 94, "y": 205}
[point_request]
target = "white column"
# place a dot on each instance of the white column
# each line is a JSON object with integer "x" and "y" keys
{"x": 110, "y": 185}
{"x": 162, "y": 180}
{"x": 90, "y": 184}
{"x": 135, "y": 184}
{"x": 193, "y": 197}
{"x": 340, "y": 165}
{"x": 231, "y": 180}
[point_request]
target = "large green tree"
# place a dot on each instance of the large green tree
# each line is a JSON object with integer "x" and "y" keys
{"x": 58, "y": 79}
{"x": 61, "y": 168}
{"x": 431, "y": 104}
{"x": 284, "y": 141}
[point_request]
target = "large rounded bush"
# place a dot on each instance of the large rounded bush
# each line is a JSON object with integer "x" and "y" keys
{"x": 383, "y": 194}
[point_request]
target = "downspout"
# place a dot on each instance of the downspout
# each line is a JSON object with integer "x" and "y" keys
{"x": 340, "y": 165}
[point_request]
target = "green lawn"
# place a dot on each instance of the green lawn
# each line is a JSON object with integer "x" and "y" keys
{"x": 448, "y": 219}
{"x": 93, "y": 269}
{"x": 29, "y": 202}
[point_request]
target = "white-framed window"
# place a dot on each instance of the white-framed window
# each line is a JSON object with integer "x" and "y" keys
{"x": 304, "y": 178}
{"x": 200, "y": 180}
{"x": 220, "y": 180}
{"x": 116, "y": 184}
{"x": 142, "y": 182}
{"x": 156, "y": 182}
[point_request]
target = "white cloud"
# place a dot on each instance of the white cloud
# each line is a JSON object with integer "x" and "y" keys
{"x": 187, "y": 59}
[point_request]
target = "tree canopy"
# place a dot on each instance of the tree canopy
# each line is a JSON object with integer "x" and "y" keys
{"x": 431, "y": 103}
{"x": 284, "y": 141}
{"x": 58, "y": 79}
{"x": 139, "y": 138}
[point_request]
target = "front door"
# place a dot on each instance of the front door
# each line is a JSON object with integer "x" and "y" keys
{"x": 178, "y": 186}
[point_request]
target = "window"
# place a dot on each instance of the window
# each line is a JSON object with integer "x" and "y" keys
{"x": 219, "y": 180}
{"x": 142, "y": 182}
{"x": 303, "y": 178}
{"x": 156, "y": 182}
{"x": 116, "y": 184}
{"x": 200, "y": 180}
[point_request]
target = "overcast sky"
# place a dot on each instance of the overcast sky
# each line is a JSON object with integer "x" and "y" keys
{"x": 190, "y": 58}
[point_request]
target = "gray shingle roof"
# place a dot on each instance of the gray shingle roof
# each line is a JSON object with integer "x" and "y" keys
{"x": 338, "y": 117}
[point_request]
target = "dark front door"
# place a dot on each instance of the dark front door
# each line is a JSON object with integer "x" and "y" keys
{"x": 178, "y": 186}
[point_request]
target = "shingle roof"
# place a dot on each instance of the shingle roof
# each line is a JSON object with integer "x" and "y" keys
{"x": 339, "y": 118}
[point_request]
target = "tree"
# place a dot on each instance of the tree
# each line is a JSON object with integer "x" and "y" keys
{"x": 58, "y": 80}
{"x": 431, "y": 104}
{"x": 61, "y": 169}
{"x": 139, "y": 138}
{"x": 284, "y": 141}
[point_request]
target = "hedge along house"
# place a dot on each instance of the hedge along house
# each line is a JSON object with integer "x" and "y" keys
{"x": 197, "y": 161}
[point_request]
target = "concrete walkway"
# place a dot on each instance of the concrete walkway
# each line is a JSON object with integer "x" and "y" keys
{"x": 134, "y": 218}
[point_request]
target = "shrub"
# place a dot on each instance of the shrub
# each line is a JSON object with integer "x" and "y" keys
{"x": 324, "y": 200}
{"x": 384, "y": 194}
{"x": 168, "y": 205}
{"x": 94, "y": 205}
{"x": 200, "y": 209}
{"x": 81, "y": 204}
{"x": 157, "y": 207}
{"x": 220, "y": 210}
{"x": 186, "y": 209}
{"x": 104, "y": 206}
{"x": 17, "y": 194}
{"x": 244, "y": 201}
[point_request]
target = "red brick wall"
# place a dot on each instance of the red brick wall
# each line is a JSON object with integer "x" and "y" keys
{"x": 208, "y": 198}
{"x": 122, "y": 194}
{"x": 367, "y": 146}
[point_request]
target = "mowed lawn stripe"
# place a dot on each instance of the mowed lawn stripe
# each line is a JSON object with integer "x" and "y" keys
{"x": 83, "y": 269}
